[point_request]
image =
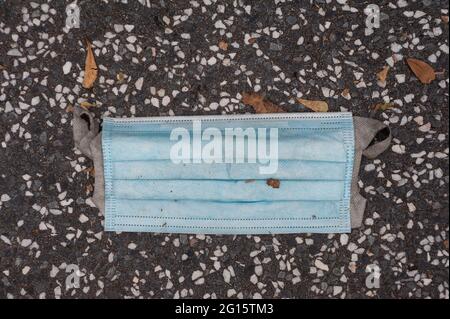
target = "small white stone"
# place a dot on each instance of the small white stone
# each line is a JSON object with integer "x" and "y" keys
{"x": 14, "y": 52}
{"x": 399, "y": 149}
{"x": 352, "y": 247}
{"x": 395, "y": 47}
{"x": 131, "y": 39}
{"x": 212, "y": 61}
{"x": 83, "y": 218}
{"x": 319, "y": 264}
{"x": 411, "y": 207}
{"x": 132, "y": 246}
{"x": 154, "y": 101}
{"x": 219, "y": 25}
{"x": 35, "y": 100}
{"x": 400, "y": 78}
{"x": 5, "y": 198}
{"x": 258, "y": 270}
{"x": 226, "y": 275}
{"x": 139, "y": 83}
{"x": 165, "y": 101}
{"x": 213, "y": 106}
{"x": 196, "y": 274}
{"x": 26, "y": 242}
{"x": 26, "y": 270}
{"x": 129, "y": 27}
{"x": 337, "y": 290}
{"x": 118, "y": 28}
{"x": 67, "y": 67}
{"x": 425, "y": 128}
{"x": 343, "y": 239}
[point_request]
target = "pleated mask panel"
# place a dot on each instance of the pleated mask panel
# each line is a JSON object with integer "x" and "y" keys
{"x": 298, "y": 183}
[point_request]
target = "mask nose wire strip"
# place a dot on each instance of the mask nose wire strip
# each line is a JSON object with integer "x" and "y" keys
{"x": 366, "y": 130}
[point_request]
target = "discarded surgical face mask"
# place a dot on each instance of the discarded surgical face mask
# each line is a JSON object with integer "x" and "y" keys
{"x": 232, "y": 174}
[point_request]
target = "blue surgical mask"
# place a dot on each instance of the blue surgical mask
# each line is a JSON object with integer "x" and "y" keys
{"x": 180, "y": 174}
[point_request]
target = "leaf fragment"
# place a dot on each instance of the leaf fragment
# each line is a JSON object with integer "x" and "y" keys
{"x": 316, "y": 106}
{"x": 259, "y": 104}
{"x": 346, "y": 93}
{"x": 382, "y": 75}
{"x": 422, "y": 70}
{"x": 383, "y": 106}
{"x": 87, "y": 104}
{"x": 120, "y": 77}
{"x": 274, "y": 183}
{"x": 223, "y": 45}
{"x": 90, "y": 68}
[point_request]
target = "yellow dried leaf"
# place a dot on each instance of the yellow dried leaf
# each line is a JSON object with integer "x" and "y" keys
{"x": 223, "y": 45}
{"x": 86, "y": 104}
{"x": 274, "y": 183}
{"x": 316, "y": 106}
{"x": 345, "y": 93}
{"x": 383, "y": 106}
{"x": 120, "y": 77}
{"x": 382, "y": 75}
{"x": 259, "y": 104}
{"x": 422, "y": 70}
{"x": 90, "y": 68}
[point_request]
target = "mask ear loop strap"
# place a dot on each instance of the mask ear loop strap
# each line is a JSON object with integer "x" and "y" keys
{"x": 372, "y": 137}
{"x": 88, "y": 139}
{"x": 85, "y": 129}
{"x": 379, "y": 143}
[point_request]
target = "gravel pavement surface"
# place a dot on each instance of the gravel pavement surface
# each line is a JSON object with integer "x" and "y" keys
{"x": 197, "y": 57}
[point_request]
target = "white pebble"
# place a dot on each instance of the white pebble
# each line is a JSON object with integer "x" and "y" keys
{"x": 67, "y": 67}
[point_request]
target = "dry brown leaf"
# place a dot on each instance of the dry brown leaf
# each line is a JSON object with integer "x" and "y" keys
{"x": 120, "y": 77}
{"x": 87, "y": 105}
{"x": 382, "y": 75}
{"x": 2, "y": 67}
{"x": 251, "y": 40}
{"x": 90, "y": 68}
{"x": 89, "y": 189}
{"x": 422, "y": 70}
{"x": 446, "y": 244}
{"x": 259, "y": 104}
{"x": 89, "y": 170}
{"x": 345, "y": 93}
{"x": 223, "y": 45}
{"x": 383, "y": 106}
{"x": 274, "y": 183}
{"x": 316, "y": 106}
{"x": 445, "y": 19}
{"x": 69, "y": 108}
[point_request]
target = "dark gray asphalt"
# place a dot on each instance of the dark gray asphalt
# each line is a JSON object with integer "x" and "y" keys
{"x": 165, "y": 60}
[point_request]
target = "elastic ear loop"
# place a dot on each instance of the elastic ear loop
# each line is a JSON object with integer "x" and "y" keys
{"x": 85, "y": 128}
{"x": 379, "y": 143}
{"x": 372, "y": 137}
